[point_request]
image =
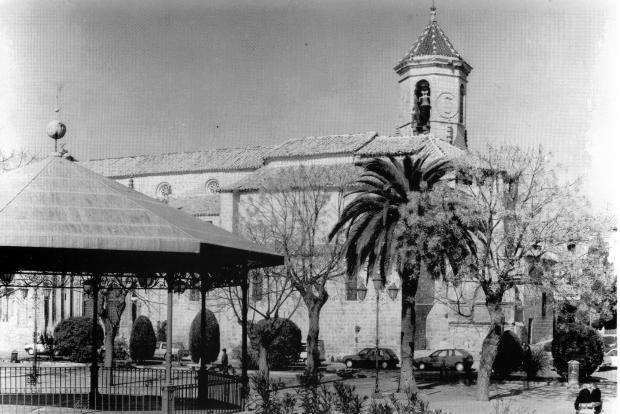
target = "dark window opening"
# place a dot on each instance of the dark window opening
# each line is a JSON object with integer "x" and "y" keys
{"x": 543, "y": 309}
{"x": 46, "y": 313}
{"x": 351, "y": 288}
{"x": 421, "y": 107}
{"x": 194, "y": 295}
{"x": 462, "y": 104}
{"x": 134, "y": 312}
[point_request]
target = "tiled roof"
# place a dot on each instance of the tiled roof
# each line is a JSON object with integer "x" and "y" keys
{"x": 432, "y": 42}
{"x": 402, "y": 145}
{"x": 321, "y": 175}
{"x": 329, "y": 144}
{"x": 205, "y": 205}
{"x": 220, "y": 159}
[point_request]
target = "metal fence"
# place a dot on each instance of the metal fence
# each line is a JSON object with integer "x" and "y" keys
{"x": 120, "y": 389}
{"x": 223, "y": 395}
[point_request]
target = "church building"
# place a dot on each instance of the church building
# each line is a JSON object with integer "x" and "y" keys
{"x": 215, "y": 184}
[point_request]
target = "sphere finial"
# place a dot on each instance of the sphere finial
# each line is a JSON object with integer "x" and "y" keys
{"x": 56, "y": 130}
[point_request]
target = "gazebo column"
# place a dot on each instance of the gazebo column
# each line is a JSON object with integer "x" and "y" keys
{"x": 167, "y": 404}
{"x": 92, "y": 286}
{"x": 244, "y": 332}
{"x": 203, "y": 380}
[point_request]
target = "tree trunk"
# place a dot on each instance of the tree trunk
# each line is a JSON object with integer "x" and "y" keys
{"x": 263, "y": 364}
{"x": 314, "y": 304}
{"x": 111, "y": 307}
{"x": 489, "y": 348}
{"x": 407, "y": 335}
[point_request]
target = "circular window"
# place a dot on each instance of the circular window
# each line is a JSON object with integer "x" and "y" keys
{"x": 212, "y": 186}
{"x": 163, "y": 190}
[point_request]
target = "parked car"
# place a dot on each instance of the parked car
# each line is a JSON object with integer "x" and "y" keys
{"x": 610, "y": 359}
{"x": 303, "y": 355}
{"x": 457, "y": 359}
{"x": 178, "y": 351}
{"x": 366, "y": 359}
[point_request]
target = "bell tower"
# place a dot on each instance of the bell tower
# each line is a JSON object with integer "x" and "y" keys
{"x": 433, "y": 83}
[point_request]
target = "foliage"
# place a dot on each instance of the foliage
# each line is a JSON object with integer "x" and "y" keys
{"x": 509, "y": 355}
{"x": 142, "y": 341}
{"x": 47, "y": 340}
{"x": 210, "y": 350}
{"x": 346, "y": 400}
{"x": 586, "y": 269}
{"x": 391, "y": 220}
{"x": 506, "y": 407}
{"x": 413, "y": 405}
{"x": 73, "y": 338}
{"x": 525, "y": 216}
{"x": 580, "y": 343}
{"x": 281, "y": 338}
{"x": 535, "y": 361}
{"x": 314, "y": 396}
{"x": 267, "y": 400}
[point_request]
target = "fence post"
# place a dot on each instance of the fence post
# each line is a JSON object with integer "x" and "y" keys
{"x": 167, "y": 399}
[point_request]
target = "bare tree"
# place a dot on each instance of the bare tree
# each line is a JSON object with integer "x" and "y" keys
{"x": 524, "y": 213}
{"x": 273, "y": 296}
{"x": 293, "y": 211}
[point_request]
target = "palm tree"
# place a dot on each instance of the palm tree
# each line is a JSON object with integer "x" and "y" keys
{"x": 392, "y": 199}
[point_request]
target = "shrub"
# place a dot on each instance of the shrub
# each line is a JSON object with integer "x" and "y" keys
{"x": 121, "y": 351}
{"x": 580, "y": 343}
{"x": 283, "y": 337}
{"x": 509, "y": 355}
{"x": 72, "y": 338}
{"x": 535, "y": 361}
{"x": 266, "y": 399}
{"x": 347, "y": 401}
{"x": 209, "y": 350}
{"x": 142, "y": 341}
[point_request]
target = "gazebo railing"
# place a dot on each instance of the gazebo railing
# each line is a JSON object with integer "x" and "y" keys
{"x": 120, "y": 389}
{"x": 223, "y": 395}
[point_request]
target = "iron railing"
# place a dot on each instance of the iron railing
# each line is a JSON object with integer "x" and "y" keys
{"x": 120, "y": 389}
{"x": 223, "y": 395}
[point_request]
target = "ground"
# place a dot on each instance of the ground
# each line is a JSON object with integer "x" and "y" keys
{"x": 455, "y": 397}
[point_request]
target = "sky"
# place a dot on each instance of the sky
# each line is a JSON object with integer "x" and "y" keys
{"x": 143, "y": 76}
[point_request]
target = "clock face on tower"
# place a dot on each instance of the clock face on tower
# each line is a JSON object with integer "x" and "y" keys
{"x": 446, "y": 105}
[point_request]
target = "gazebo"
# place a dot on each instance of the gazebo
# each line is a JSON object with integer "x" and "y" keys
{"x": 58, "y": 217}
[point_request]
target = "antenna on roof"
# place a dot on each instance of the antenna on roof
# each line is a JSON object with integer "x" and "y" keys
{"x": 56, "y": 129}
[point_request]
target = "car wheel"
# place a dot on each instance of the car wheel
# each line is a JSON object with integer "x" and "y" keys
{"x": 384, "y": 365}
{"x": 459, "y": 366}
{"x": 349, "y": 363}
{"x": 421, "y": 366}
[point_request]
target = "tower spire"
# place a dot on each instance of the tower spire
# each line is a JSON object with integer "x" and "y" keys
{"x": 433, "y": 12}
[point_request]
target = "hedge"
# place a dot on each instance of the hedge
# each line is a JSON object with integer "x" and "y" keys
{"x": 72, "y": 338}
{"x": 209, "y": 350}
{"x": 580, "y": 343}
{"x": 142, "y": 341}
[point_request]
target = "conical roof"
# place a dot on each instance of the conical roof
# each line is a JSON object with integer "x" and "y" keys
{"x": 58, "y": 206}
{"x": 432, "y": 42}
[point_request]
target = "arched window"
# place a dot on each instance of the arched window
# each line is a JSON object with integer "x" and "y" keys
{"x": 212, "y": 186}
{"x": 163, "y": 191}
{"x": 422, "y": 107}
{"x": 462, "y": 104}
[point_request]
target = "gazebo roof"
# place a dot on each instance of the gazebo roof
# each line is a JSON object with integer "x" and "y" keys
{"x": 58, "y": 215}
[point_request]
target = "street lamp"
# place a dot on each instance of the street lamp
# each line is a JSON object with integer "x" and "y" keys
{"x": 378, "y": 284}
{"x": 361, "y": 295}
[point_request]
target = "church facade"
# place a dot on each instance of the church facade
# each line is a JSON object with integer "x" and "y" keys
{"x": 216, "y": 184}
